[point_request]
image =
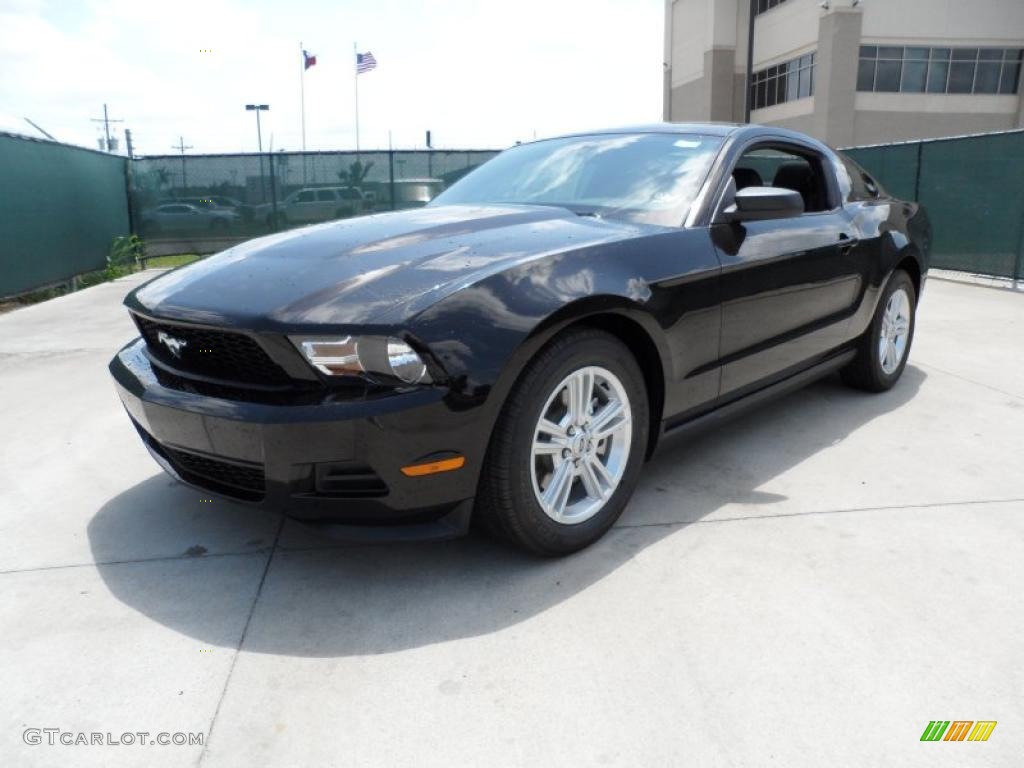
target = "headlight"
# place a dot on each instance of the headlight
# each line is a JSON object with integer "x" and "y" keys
{"x": 377, "y": 358}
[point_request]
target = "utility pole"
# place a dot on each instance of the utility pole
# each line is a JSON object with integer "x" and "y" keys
{"x": 106, "y": 120}
{"x": 181, "y": 148}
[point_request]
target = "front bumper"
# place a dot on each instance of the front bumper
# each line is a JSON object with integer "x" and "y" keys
{"x": 334, "y": 465}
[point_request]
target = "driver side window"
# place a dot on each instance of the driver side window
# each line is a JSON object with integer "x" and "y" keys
{"x": 777, "y": 167}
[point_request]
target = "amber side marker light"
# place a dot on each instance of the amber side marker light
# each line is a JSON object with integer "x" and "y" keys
{"x": 433, "y": 467}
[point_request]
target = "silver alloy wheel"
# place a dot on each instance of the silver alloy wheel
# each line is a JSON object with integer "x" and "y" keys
{"x": 581, "y": 445}
{"x": 892, "y": 342}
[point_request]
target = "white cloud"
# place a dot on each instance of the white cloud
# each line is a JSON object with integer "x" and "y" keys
{"x": 476, "y": 73}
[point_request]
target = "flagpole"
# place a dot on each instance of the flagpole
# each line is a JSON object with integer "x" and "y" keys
{"x": 355, "y": 60}
{"x": 302, "y": 98}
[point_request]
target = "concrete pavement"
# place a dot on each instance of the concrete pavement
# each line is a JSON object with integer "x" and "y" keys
{"x": 807, "y": 586}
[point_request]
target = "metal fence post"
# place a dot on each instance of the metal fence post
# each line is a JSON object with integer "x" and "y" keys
{"x": 391, "y": 177}
{"x": 1018, "y": 269}
{"x": 917, "y": 172}
{"x": 273, "y": 193}
{"x": 129, "y": 197}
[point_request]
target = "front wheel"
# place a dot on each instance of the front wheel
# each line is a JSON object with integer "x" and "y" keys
{"x": 883, "y": 350}
{"x": 567, "y": 451}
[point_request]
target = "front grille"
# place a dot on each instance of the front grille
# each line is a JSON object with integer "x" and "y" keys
{"x": 242, "y": 480}
{"x": 299, "y": 394}
{"x": 216, "y": 354}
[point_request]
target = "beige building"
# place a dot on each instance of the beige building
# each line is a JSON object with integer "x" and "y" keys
{"x": 849, "y": 71}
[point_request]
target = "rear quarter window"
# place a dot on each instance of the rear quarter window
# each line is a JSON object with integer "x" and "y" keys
{"x": 863, "y": 185}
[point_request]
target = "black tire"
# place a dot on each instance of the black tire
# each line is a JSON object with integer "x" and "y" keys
{"x": 506, "y": 503}
{"x": 865, "y": 371}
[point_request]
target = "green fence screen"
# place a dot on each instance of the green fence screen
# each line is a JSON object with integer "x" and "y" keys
{"x": 61, "y": 209}
{"x": 63, "y": 206}
{"x": 206, "y": 203}
{"x": 971, "y": 187}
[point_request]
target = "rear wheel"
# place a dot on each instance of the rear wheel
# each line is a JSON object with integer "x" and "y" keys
{"x": 883, "y": 350}
{"x": 567, "y": 451}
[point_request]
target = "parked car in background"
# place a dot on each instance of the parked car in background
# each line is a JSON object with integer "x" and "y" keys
{"x": 315, "y": 204}
{"x": 517, "y": 349}
{"x": 242, "y": 209}
{"x": 179, "y": 217}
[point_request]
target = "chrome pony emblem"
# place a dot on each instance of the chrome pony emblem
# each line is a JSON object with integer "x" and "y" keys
{"x": 173, "y": 344}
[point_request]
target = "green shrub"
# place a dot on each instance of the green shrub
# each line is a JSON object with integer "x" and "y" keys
{"x": 126, "y": 255}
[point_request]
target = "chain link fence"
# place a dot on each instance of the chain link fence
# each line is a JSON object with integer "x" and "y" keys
{"x": 205, "y": 203}
{"x": 971, "y": 187}
{"x": 65, "y": 205}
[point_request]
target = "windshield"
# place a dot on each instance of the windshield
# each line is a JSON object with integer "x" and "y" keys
{"x": 648, "y": 177}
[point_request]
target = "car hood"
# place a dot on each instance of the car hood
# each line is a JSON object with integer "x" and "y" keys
{"x": 367, "y": 270}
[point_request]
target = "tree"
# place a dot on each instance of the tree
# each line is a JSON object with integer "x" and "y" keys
{"x": 356, "y": 173}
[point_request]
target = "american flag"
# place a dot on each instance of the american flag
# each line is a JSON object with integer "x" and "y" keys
{"x": 365, "y": 62}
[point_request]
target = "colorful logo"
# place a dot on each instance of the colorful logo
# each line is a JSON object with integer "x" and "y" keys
{"x": 958, "y": 730}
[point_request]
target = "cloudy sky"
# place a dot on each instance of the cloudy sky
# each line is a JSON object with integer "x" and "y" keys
{"x": 478, "y": 73}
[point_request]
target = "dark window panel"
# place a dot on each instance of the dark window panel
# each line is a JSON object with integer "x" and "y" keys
{"x": 887, "y": 80}
{"x": 869, "y": 51}
{"x": 917, "y": 54}
{"x": 961, "y": 77}
{"x": 990, "y": 54}
{"x": 890, "y": 52}
{"x": 941, "y": 54}
{"x": 781, "y": 91}
{"x": 987, "y": 79}
{"x": 805, "y": 83}
{"x": 866, "y": 75}
{"x": 793, "y": 84}
{"x": 914, "y": 76}
{"x": 965, "y": 54}
{"x": 1011, "y": 74}
{"x": 938, "y": 74}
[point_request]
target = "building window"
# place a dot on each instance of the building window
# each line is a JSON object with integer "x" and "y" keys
{"x": 908, "y": 69}
{"x": 784, "y": 82}
{"x": 764, "y": 5}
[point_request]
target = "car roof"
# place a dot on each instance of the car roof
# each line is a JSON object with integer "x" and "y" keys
{"x": 708, "y": 129}
{"x": 731, "y": 130}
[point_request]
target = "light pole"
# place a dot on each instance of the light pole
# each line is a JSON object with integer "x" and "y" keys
{"x": 257, "y": 108}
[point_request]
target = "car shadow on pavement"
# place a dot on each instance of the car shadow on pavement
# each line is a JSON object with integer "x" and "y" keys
{"x": 323, "y": 599}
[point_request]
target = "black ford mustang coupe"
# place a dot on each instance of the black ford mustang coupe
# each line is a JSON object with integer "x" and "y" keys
{"x": 517, "y": 349}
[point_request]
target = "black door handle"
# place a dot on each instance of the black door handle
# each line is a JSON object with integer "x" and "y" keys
{"x": 846, "y": 243}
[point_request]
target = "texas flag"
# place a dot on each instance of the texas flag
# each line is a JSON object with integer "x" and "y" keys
{"x": 309, "y": 59}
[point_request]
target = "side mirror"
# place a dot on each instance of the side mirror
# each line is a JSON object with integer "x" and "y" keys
{"x": 761, "y": 203}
